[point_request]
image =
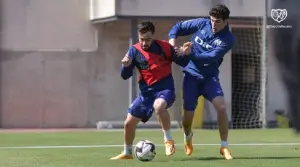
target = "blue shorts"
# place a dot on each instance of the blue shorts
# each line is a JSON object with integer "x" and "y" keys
{"x": 142, "y": 106}
{"x": 193, "y": 88}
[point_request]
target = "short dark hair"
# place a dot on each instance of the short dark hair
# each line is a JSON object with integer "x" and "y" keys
{"x": 220, "y": 12}
{"x": 146, "y": 26}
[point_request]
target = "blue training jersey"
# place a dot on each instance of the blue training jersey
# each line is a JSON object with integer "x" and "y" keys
{"x": 165, "y": 83}
{"x": 208, "y": 48}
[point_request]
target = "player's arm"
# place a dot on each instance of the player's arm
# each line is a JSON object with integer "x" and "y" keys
{"x": 128, "y": 63}
{"x": 181, "y": 60}
{"x": 184, "y": 28}
{"x": 214, "y": 54}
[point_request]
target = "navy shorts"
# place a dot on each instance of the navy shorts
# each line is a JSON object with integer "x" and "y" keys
{"x": 142, "y": 106}
{"x": 193, "y": 88}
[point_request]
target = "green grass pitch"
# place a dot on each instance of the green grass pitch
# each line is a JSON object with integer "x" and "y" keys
{"x": 250, "y": 148}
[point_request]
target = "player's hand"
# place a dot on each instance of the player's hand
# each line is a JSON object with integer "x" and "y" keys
{"x": 185, "y": 49}
{"x": 126, "y": 61}
{"x": 178, "y": 50}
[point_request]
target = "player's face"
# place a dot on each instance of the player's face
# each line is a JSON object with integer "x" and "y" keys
{"x": 217, "y": 24}
{"x": 146, "y": 40}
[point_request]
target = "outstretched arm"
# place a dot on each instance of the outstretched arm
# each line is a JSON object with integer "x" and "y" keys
{"x": 184, "y": 28}
{"x": 128, "y": 63}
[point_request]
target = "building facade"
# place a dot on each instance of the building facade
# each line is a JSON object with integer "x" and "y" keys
{"x": 60, "y": 59}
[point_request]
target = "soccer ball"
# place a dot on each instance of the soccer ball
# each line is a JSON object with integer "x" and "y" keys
{"x": 145, "y": 150}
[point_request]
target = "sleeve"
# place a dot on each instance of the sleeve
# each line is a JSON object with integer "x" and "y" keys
{"x": 126, "y": 72}
{"x": 185, "y": 28}
{"x": 216, "y": 53}
{"x": 181, "y": 60}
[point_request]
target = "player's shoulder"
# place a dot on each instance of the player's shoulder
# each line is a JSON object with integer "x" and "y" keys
{"x": 133, "y": 47}
{"x": 205, "y": 24}
{"x": 205, "y": 20}
{"x": 197, "y": 20}
{"x": 163, "y": 42}
{"x": 165, "y": 45}
{"x": 132, "y": 51}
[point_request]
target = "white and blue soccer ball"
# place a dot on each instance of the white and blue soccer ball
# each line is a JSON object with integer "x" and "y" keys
{"x": 145, "y": 150}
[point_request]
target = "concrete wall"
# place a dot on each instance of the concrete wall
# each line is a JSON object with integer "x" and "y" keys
{"x": 59, "y": 70}
{"x": 189, "y": 8}
{"x": 47, "y": 25}
{"x": 47, "y": 49}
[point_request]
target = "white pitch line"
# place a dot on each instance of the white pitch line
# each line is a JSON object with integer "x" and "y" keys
{"x": 159, "y": 145}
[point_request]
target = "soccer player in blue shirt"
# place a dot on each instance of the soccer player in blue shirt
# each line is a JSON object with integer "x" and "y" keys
{"x": 211, "y": 40}
{"x": 153, "y": 59}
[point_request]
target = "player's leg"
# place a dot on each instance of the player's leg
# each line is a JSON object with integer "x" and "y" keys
{"x": 129, "y": 135}
{"x": 214, "y": 93}
{"x": 135, "y": 114}
{"x": 129, "y": 132}
{"x": 164, "y": 100}
{"x": 190, "y": 100}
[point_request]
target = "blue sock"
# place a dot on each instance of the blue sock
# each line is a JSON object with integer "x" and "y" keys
{"x": 224, "y": 143}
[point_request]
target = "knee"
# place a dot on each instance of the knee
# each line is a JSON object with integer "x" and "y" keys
{"x": 221, "y": 109}
{"x": 129, "y": 123}
{"x": 159, "y": 106}
{"x": 219, "y": 104}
